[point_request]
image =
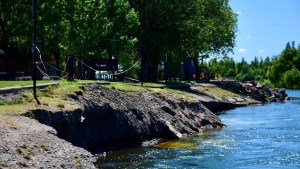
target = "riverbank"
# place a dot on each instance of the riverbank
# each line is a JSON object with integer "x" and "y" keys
{"x": 104, "y": 119}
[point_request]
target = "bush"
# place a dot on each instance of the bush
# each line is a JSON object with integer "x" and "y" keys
{"x": 291, "y": 79}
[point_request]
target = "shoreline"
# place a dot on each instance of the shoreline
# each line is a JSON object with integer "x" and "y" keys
{"x": 109, "y": 120}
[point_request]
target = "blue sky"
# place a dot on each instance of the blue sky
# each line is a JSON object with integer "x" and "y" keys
{"x": 265, "y": 26}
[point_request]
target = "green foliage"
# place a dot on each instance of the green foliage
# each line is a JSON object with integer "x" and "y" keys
{"x": 86, "y": 28}
{"x": 281, "y": 71}
{"x": 284, "y": 69}
{"x": 291, "y": 79}
{"x": 242, "y": 71}
{"x": 182, "y": 30}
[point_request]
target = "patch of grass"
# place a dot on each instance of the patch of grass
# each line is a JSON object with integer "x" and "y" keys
{"x": 158, "y": 84}
{"x": 220, "y": 92}
{"x": 61, "y": 106}
{"x": 54, "y": 96}
{"x": 179, "y": 92}
{"x": 44, "y": 147}
{"x": 15, "y": 83}
{"x": 14, "y": 109}
{"x": 19, "y": 150}
{"x": 24, "y": 97}
{"x": 176, "y": 94}
{"x": 78, "y": 160}
{"x": 65, "y": 88}
{"x": 47, "y": 104}
{"x": 124, "y": 87}
{"x": 11, "y": 124}
{"x": 26, "y": 94}
{"x": 28, "y": 156}
{"x": 29, "y": 151}
{"x": 18, "y": 100}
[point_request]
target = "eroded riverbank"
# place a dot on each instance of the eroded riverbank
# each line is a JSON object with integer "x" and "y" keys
{"x": 109, "y": 119}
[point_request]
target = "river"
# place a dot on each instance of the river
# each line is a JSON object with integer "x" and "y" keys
{"x": 266, "y": 136}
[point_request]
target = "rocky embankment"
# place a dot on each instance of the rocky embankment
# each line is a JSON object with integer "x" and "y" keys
{"x": 108, "y": 120}
{"x": 112, "y": 119}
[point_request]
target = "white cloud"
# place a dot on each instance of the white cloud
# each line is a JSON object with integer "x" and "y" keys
{"x": 242, "y": 50}
{"x": 261, "y": 51}
{"x": 249, "y": 37}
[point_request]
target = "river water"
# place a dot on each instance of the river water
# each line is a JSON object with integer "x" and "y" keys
{"x": 266, "y": 136}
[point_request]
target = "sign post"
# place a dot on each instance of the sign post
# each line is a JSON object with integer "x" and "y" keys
{"x": 34, "y": 50}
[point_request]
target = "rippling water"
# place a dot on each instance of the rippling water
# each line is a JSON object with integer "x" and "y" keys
{"x": 266, "y": 136}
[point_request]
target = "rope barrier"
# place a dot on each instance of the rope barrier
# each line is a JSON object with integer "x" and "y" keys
{"x": 54, "y": 67}
{"x": 43, "y": 73}
{"x": 110, "y": 73}
{"x": 40, "y": 57}
{"x": 46, "y": 75}
{"x": 90, "y": 68}
{"x": 127, "y": 69}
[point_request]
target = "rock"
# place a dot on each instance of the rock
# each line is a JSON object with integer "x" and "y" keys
{"x": 232, "y": 100}
{"x": 115, "y": 119}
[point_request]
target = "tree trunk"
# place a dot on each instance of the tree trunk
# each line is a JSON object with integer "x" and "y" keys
{"x": 8, "y": 63}
{"x": 144, "y": 65}
{"x": 149, "y": 66}
{"x": 7, "y": 50}
{"x": 196, "y": 63}
{"x": 57, "y": 57}
{"x": 153, "y": 70}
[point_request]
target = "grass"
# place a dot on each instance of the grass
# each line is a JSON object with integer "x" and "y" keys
{"x": 11, "y": 124}
{"x": 44, "y": 147}
{"x": 55, "y": 97}
{"x": 65, "y": 88}
{"x": 216, "y": 91}
{"x": 29, "y": 152}
{"x": 176, "y": 94}
{"x": 78, "y": 160}
{"x": 222, "y": 92}
{"x": 52, "y": 97}
{"x": 4, "y": 84}
{"x": 124, "y": 87}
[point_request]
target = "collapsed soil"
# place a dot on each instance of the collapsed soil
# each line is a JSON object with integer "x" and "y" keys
{"x": 106, "y": 116}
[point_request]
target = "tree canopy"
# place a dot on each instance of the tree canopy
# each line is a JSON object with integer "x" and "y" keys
{"x": 279, "y": 71}
{"x": 146, "y": 29}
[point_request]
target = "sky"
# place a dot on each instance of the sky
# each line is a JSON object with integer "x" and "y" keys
{"x": 265, "y": 27}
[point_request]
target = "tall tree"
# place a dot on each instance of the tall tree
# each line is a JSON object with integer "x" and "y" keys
{"x": 190, "y": 28}
{"x": 15, "y": 29}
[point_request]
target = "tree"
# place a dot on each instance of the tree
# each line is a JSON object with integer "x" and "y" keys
{"x": 87, "y": 28}
{"x": 52, "y": 30}
{"x": 291, "y": 79}
{"x": 190, "y": 28}
{"x": 286, "y": 61}
{"x": 213, "y": 29}
{"x": 15, "y": 30}
{"x": 158, "y": 31}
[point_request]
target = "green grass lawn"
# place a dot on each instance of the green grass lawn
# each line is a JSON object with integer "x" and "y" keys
{"x": 15, "y": 83}
{"x": 4, "y": 84}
